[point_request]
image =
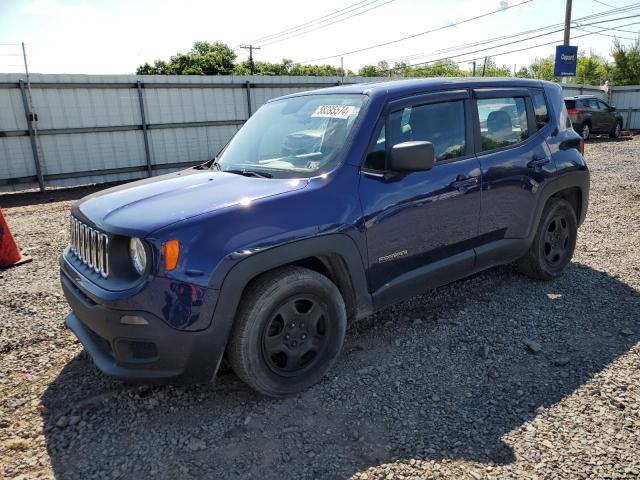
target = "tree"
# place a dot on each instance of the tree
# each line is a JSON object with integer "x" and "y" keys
{"x": 493, "y": 70}
{"x": 368, "y": 71}
{"x": 626, "y": 70}
{"x": 592, "y": 69}
{"x": 204, "y": 58}
{"x": 542, "y": 68}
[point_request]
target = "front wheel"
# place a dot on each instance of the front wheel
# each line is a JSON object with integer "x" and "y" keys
{"x": 554, "y": 242}
{"x": 289, "y": 331}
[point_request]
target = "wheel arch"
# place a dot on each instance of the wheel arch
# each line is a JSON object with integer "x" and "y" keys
{"x": 572, "y": 186}
{"x": 335, "y": 256}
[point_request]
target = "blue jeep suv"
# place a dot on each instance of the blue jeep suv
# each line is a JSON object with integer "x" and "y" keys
{"x": 325, "y": 207}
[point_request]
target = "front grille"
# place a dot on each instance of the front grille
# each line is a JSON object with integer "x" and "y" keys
{"x": 90, "y": 246}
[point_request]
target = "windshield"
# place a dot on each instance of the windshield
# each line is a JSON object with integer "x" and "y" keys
{"x": 294, "y": 137}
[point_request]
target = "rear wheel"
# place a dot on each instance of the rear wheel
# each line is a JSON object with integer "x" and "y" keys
{"x": 586, "y": 131}
{"x": 616, "y": 131}
{"x": 554, "y": 242}
{"x": 289, "y": 331}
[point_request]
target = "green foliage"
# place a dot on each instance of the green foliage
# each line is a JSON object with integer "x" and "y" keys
{"x": 592, "y": 70}
{"x": 204, "y": 58}
{"x": 626, "y": 70}
{"x": 542, "y": 69}
{"x": 217, "y": 58}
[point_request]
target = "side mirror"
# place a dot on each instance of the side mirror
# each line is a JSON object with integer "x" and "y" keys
{"x": 612, "y": 108}
{"x": 411, "y": 157}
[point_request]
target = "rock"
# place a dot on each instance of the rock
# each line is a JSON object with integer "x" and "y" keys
{"x": 62, "y": 422}
{"x": 247, "y": 420}
{"x": 533, "y": 346}
{"x": 561, "y": 361}
{"x": 74, "y": 419}
{"x": 554, "y": 296}
{"x": 484, "y": 352}
{"x": 195, "y": 444}
{"x": 627, "y": 332}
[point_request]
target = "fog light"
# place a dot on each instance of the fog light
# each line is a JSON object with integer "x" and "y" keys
{"x": 133, "y": 320}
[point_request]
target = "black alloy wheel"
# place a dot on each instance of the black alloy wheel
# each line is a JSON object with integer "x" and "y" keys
{"x": 296, "y": 335}
{"x": 554, "y": 242}
{"x": 556, "y": 239}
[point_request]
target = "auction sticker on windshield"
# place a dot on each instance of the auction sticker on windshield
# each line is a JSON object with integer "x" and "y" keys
{"x": 334, "y": 111}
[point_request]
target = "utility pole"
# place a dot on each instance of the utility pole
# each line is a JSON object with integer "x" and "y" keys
{"x": 484, "y": 67}
{"x": 342, "y": 69}
{"x": 567, "y": 29}
{"x": 251, "y": 48}
{"x": 567, "y": 23}
{"x": 474, "y": 68}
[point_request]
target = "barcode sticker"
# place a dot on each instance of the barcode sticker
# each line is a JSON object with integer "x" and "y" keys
{"x": 334, "y": 111}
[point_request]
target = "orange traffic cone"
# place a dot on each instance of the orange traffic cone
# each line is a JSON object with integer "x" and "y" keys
{"x": 9, "y": 253}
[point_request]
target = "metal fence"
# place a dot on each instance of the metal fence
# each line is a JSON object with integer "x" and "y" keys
{"x": 68, "y": 130}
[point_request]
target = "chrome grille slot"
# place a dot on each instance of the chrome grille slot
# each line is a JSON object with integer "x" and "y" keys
{"x": 90, "y": 246}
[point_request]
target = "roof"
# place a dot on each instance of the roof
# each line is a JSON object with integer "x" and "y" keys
{"x": 398, "y": 88}
{"x": 574, "y": 97}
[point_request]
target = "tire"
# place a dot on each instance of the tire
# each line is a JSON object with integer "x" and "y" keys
{"x": 554, "y": 242}
{"x": 616, "y": 131}
{"x": 586, "y": 131}
{"x": 288, "y": 332}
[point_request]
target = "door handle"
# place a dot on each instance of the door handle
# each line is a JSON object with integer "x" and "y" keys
{"x": 463, "y": 182}
{"x": 538, "y": 161}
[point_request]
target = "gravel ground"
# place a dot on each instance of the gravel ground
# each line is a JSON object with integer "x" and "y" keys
{"x": 496, "y": 376}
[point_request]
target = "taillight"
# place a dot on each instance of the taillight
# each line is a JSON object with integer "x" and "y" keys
{"x": 573, "y": 111}
{"x": 581, "y": 147}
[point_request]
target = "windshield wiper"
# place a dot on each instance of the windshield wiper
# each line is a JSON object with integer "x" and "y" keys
{"x": 250, "y": 173}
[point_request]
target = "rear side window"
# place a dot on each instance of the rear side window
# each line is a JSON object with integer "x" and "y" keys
{"x": 540, "y": 108}
{"x": 570, "y": 104}
{"x": 503, "y": 121}
{"x": 442, "y": 124}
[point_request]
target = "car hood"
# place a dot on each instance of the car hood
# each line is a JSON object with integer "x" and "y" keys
{"x": 142, "y": 207}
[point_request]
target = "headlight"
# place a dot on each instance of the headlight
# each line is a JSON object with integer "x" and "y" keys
{"x": 138, "y": 255}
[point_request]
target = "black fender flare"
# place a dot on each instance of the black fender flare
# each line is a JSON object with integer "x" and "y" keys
{"x": 247, "y": 269}
{"x": 564, "y": 181}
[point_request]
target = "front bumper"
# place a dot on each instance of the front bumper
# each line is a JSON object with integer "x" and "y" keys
{"x": 154, "y": 352}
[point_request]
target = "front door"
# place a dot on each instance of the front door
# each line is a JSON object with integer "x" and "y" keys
{"x": 421, "y": 219}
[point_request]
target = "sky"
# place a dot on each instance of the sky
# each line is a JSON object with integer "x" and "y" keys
{"x": 115, "y": 36}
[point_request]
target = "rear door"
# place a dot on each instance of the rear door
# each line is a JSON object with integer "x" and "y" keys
{"x": 514, "y": 159}
{"x": 608, "y": 119}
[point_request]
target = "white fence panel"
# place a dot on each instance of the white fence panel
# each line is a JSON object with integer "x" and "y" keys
{"x": 91, "y": 128}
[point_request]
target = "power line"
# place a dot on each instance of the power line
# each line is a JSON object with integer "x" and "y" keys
{"x": 526, "y": 32}
{"x": 311, "y": 22}
{"x": 578, "y": 25}
{"x": 603, "y": 34}
{"x": 397, "y": 40}
{"x": 330, "y": 23}
{"x": 502, "y": 53}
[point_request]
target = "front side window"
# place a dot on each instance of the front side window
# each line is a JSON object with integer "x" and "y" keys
{"x": 503, "y": 121}
{"x": 439, "y": 123}
{"x": 294, "y": 137}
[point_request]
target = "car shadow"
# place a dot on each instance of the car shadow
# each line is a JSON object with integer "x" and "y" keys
{"x": 597, "y": 138}
{"x": 32, "y": 197}
{"x": 443, "y": 375}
